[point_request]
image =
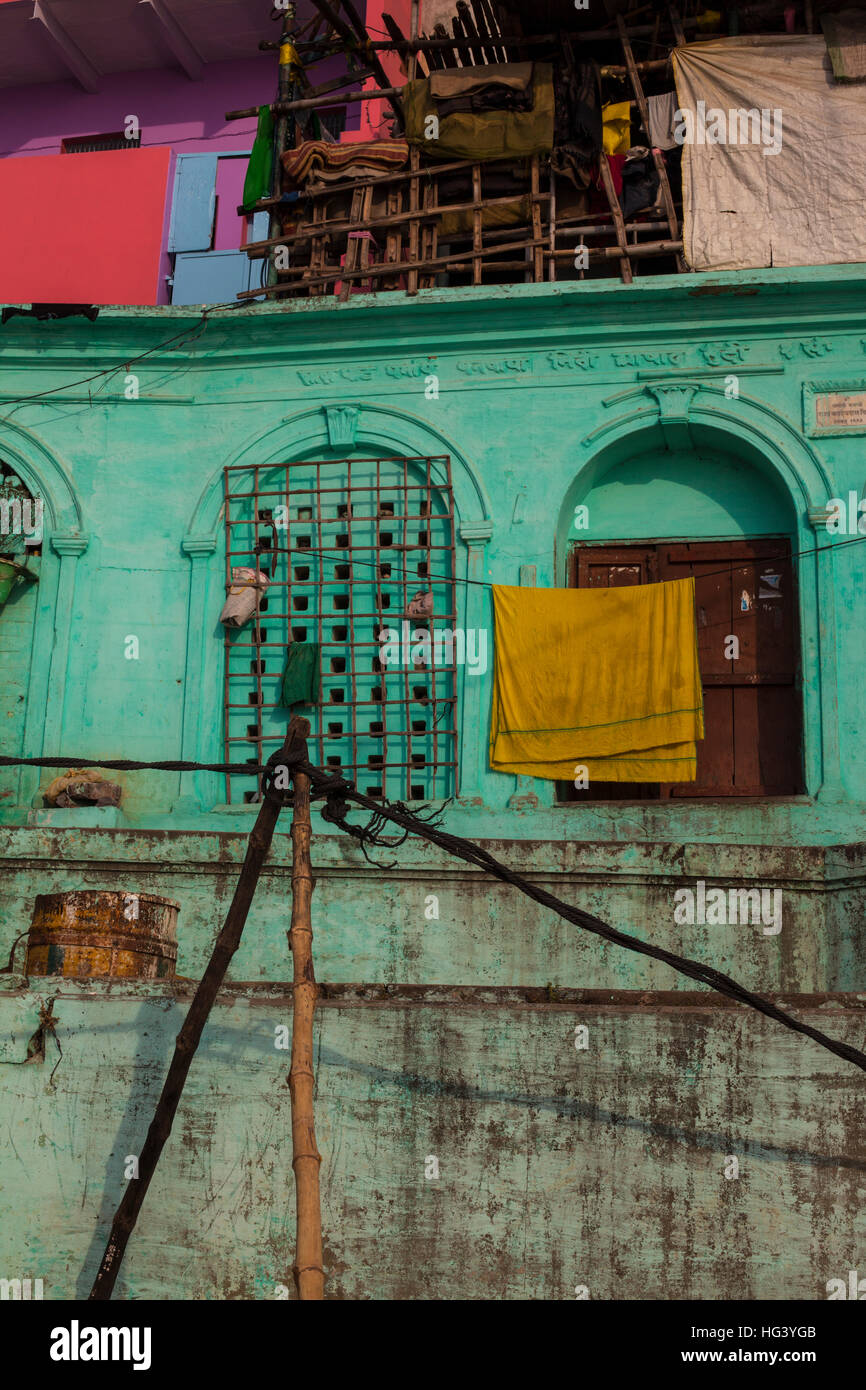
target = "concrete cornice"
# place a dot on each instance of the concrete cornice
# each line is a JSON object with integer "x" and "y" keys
{"x": 797, "y": 300}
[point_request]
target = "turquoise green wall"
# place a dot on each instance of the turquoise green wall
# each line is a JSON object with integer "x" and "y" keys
{"x": 548, "y": 397}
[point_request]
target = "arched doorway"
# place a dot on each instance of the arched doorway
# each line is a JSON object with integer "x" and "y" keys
{"x": 645, "y": 513}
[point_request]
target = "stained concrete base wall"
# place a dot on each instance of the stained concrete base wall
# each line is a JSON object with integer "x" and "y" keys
{"x": 558, "y": 1168}
{"x": 373, "y": 925}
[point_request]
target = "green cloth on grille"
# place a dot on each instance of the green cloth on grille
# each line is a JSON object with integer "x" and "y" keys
{"x": 302, "y": 677}
{"x": 486, "y": 134}
{"x": 258, "y": 180}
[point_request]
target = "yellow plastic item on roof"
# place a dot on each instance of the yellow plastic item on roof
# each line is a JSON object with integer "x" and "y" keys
{"x": 607, "y": 679}
{"x": 616, "y": 134}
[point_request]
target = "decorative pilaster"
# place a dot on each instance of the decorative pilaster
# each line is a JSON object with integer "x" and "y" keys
{"x": 524, "y": 797}
{"x": 475, "y": 536}
{"x": 70, "y": 547}
{"x": 193, "y": 787}
{"x": 832, "y": 787}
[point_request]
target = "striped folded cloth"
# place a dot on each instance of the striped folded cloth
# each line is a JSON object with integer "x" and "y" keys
{"x": 327, "y": 161}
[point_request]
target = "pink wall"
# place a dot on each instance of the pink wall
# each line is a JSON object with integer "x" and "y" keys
{"x": 371, "y": 121}
{"x": 78, "y": 256}
{"x": 87, "y": 228}
{"x": 175, "y": 115}
{"x": 229, "y": 191}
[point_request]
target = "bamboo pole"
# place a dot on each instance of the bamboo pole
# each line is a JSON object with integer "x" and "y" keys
{"x": 317, "y": 103}
{"x": 413, "y": 36}
{"x": 308, "y": 1269}
{"x": 284, "y": 129}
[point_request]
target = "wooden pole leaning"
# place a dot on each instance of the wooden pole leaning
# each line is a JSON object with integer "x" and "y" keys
{"x": 188, "y": 1039}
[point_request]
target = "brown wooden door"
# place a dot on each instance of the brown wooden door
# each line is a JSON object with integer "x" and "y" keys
{"x": 744, "y": 590}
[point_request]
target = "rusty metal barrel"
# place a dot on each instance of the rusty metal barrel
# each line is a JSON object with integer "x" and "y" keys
{"x": 103, "y": 935}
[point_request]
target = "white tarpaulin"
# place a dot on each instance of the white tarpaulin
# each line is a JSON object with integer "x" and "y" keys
{"x": 774, "y": 154}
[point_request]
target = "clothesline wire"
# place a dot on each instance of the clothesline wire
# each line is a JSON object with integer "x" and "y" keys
{"x": 347, "y": 558}
{"x": 191, "y": 334}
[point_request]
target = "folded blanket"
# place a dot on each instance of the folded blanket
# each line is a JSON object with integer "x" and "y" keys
{"x": 481, "y": 135}
{"x": 459, "y": 82}
{"x": 606, "y": 678}
{"x": 323, "y": 160}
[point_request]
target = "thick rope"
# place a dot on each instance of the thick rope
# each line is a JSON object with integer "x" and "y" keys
{"x": 335, "y": 813}
{"x": 338, "y": 793}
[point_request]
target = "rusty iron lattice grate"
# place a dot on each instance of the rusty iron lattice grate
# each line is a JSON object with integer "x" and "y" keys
{"x": 346, "y": 544}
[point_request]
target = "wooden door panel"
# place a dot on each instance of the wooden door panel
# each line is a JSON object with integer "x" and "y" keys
{"x": 715, "y": 771}
{"x": 751, "y": 702}
{"x": 767, "y": 729}
{"x": 614, "y": 567}
{"x": 763, "y": 620}
{"x": 712, "y": 601}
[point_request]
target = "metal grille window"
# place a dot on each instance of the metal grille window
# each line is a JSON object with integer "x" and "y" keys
{"x": 351, "y": 548}
{"x": 331, "y": 123}
{"x": 88, "y": 144}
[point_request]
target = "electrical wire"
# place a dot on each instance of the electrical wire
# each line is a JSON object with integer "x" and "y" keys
{"x": 348, "y": 558}
{"x": 335, "y": 813}
{"x": 188, "y": 334}
{"x": 194, "y": 333}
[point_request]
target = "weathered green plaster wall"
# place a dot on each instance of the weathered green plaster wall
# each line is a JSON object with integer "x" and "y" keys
{"x": 562, "y": 1168}
{"x": 603, "y": 1168}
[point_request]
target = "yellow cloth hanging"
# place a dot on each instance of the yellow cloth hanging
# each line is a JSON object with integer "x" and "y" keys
{"x": 616, "y": 131}
{"x": 604, "y": 678}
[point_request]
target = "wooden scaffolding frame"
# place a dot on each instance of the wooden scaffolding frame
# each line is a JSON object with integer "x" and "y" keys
{"x": 389, "y": 232}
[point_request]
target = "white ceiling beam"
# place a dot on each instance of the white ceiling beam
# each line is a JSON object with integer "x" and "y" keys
{"x": 68, "y": 52}
{"x": 185, "y": 52}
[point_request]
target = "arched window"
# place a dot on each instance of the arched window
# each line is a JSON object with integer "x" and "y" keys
{"x": 358, "y": 554}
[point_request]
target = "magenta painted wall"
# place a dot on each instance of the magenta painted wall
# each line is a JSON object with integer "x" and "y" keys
{"x": 189, "y": 116}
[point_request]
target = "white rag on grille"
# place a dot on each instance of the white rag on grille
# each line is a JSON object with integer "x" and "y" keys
{"x": 803, "y": 206}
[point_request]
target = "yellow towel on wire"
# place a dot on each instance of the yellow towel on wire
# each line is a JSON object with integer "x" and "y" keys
{"x": 604, "y": 678}
{"x": 616, "y": 127}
